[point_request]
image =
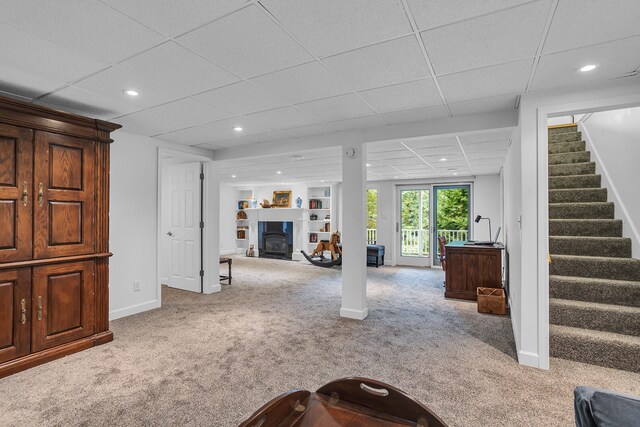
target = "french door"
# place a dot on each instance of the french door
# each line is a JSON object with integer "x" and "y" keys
{"x": 427, "y": 212}
{"x": 414, "y": 225}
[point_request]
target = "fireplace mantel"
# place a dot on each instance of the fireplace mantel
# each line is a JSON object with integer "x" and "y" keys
{"x": 299, "y": 218}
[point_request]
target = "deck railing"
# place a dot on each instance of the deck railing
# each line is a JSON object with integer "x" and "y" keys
{"x": 411, "y": 239}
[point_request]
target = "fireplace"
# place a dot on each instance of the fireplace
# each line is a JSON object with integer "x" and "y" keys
{"x": 276, "y": 239}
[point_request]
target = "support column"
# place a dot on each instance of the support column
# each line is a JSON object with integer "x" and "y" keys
{"x": 211, "y": 235}
{"x": 354, "y": 232}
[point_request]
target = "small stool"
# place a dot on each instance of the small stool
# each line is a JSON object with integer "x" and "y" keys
{"x": 226, "y": 261}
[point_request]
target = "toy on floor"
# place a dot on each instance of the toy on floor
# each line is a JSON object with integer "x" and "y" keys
{"x": 317, "y": 256}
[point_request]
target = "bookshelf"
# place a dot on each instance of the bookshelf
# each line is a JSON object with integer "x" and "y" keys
{"x": 244, "y": 200}
{"x": 320, "y": 222}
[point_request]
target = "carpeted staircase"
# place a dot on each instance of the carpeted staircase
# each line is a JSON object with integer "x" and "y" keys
{"x": 594, "y": 284}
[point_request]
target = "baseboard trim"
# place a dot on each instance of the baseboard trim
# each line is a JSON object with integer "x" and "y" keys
{"x": 134, "y": 309}
{"x": 529, "y": 359}
{"x": 229, "y": 252}
{"x": 354, "y": 314}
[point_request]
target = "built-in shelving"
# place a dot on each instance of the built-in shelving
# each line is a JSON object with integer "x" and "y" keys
{"x": 319, "y": 204}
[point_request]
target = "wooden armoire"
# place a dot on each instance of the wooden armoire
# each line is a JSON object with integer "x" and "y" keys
{"x": 54, "y": 234}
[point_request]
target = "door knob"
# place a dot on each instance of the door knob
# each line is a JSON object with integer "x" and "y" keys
{"x": 170, "y": 234}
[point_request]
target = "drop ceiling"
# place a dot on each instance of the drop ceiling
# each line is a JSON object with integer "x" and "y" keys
{"x": 283, "y": 69}
{"x": 450, "y": 156}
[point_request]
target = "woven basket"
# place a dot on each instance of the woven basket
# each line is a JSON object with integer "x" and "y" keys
{"x": 492, "y": 300}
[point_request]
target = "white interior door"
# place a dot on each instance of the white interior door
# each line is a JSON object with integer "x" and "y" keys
{"x": 414, "y": 226}
{"x": 184, "y": 227}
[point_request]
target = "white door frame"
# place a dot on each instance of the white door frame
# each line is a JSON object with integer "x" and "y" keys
{"x": 416, "y": 261}
{"x": 211, "y": 217}
{"x": 543, "y": 114}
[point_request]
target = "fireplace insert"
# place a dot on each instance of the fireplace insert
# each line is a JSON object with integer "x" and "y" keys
{"x": 276, "y": 240}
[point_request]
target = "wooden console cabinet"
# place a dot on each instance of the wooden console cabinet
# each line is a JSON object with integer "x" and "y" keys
{"x": 469, "y": 267}
{"x": 54, "y": 234}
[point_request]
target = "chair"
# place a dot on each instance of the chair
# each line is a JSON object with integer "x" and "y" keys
{"x": 228, "y": 261}
{"x": 442, "y": 241}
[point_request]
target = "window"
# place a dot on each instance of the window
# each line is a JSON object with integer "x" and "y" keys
{"x": 372, "y": 216}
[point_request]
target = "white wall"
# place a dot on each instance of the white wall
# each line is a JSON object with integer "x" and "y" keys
{"x": 134, "y": 222}
{"x": 512, "y": 204}
{"x": 228, "y": 200}
{"x": 614, "y": 142}
{"x": 486, "y": 202}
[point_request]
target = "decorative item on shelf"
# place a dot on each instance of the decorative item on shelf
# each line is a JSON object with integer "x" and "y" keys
{"x": 327, "y": 227}
{"x": 253, "y": 204}
{"x": 321, "y": 230}
{"x": 281, "y": 199}
{"x": 250, "y": 252}
{"x": 315, "y": 204}
{"x": 327, "y": 192}
{"x": 265, "y": 204}
{"x": 313, "y": 238}
{"x": 243, "y": 204}
{"x": 241, "y": 215}
{"x": 313, "y": 217}
{"x": 241, "y": 234}
{"x": 298, "y": 203}
{"x": 327, "y": 216}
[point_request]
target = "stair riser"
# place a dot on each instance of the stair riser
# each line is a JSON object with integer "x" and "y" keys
{"x": 618, "y": 322}
{"x": 602, "y": 268}
{"x": 564, "y": 158}
{"x": 578, "y": 195}
{"x": 572, "y": 169}
{"x": 581, "y": 211}
{"x": 603, "y": 292}
{"x": 619, "y": 248}
{"x": 581, "y": 181}
{"x": 596, "y": 352}
{"x": 565, "y": 137}
{"x": 561, "y": 130}
{"x": 596, "y": 228}
{"x": 566, "y": 147}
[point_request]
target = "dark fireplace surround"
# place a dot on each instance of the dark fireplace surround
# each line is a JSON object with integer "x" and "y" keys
{"x": 276, "y": 239}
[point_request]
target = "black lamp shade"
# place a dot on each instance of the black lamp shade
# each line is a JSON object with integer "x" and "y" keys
{"x": 478, "y": 218}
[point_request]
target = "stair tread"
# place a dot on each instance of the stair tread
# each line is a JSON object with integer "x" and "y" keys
{"x": 630, "y": 340}
{"x": 581, "y": 203}
{"x": 595, "y": 305}
{"x": 594, "y": 281}
{"x": 598, "y": 258}
{"x": 591, "y": 238}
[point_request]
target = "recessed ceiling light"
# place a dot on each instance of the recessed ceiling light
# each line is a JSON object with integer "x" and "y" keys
{"x": 586, "y": 68}
{"x": 322, "y": 180}
{"x": 395, "y": 177}
{"x": 279, "y": 172}
{"x": 233, "y": 176}
{"x": 443, "y": 159}
{"x": 131, "y": 92}
{"x": 368, "y": 164}
{"x": 455, "y": 173}
{"x": 237, "y": 129}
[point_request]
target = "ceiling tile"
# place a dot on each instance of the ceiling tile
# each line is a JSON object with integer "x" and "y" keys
{"x": 416, "y": 115}
{"x": 383, "y": 64}
{"x": 337, "y": 108}
{"x": 282, "y": 118}
{"x": 501, "y": 37}
{"x": 47, "y": 59}
{"x": 174, "y": 17}
{"x": 241, "y": 98}
{"x": 25, "y": 84}
{"x": 486, "y": 82}
{"x": 435, "y": 13}
{"x": 309, "y": 130}
{"x": 495, "y": 135}
{"x": 332, "y": 26}
{"x": 173, "y": 66}
{"x": 113, "y": 81}
{"x": 75, "y": 99}
{"x": 302, "y": 83}
{"x": 358, "y": 123}
{"x": 579, "y": 23}
{"x": 613, "y": 60}
{"x": 213, "y": 132}
{"x": 172, "y": 116}
{"x": 405, "y": 96}
{"x": 247, "y": 43}
{"x": 483, "y": 105}
{"x": 74, "y": 25}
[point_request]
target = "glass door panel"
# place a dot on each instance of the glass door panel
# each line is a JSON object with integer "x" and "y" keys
{"x": 452, "y": 210}
{"x": 413, "y": 226}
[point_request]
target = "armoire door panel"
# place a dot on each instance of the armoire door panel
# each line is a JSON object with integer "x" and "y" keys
{"x": 63, "y": 303}
{"x": 15, "y": 313}
{"x": 16, "y": 193}
{"x": 65, "y": 200}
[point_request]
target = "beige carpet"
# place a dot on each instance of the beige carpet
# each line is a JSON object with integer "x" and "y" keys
{"x": 212, "y": 360}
